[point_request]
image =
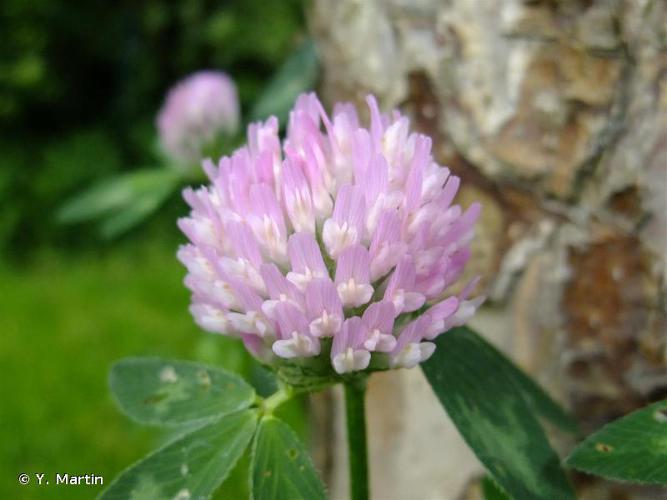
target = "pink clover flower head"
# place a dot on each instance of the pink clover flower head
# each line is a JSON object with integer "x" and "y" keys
{"x": 197, "y": 110}
{"x": 340, "y": 242}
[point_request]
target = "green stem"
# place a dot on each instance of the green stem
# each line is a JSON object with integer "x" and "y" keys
{"x": 356, "y": 438}
{"x": 283, "y": 395}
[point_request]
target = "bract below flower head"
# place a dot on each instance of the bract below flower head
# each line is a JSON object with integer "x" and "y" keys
{"x": 197, "y": 110}
{"x": 338, "y": 244}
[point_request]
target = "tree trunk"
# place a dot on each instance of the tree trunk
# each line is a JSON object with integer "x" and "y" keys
{"x": 554, "y": 113}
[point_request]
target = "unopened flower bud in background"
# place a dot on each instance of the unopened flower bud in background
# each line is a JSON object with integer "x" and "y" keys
{"x": 341, "y": 243}
{"x": 197, "y": 112}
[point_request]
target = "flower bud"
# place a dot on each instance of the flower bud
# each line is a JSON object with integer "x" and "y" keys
{"x": 198, "y": 110}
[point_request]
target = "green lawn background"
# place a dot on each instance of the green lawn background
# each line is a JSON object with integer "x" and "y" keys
{"x": 63, "y": 321}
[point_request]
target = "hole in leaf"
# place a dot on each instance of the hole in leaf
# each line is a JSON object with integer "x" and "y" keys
{"x": 293, "y": 453}
{"x": 604, "y": 448}
{"x": 660, "y": 415}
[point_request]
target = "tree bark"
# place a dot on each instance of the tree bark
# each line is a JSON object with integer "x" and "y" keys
{"x": 554, "y": 113}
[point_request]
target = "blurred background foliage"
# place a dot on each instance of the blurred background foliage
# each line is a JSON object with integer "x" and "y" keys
{"x": 80, "y": 85}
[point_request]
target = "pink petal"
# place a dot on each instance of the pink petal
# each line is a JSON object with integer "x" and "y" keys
{"x": 380, "y": 315}
{"x": 290, "y": 320}
{"x": 412, "y": 332}
{"x": 350, "y": 207}
{"x": 321, "y": 295}
{"x": 244, "y": 242}
{"x": 353, "y": 262}
{"x": 375, "y": 179}
{"x": 277, "y": 285}
{"x": 304, "y": 254}
{"x": 413, "y": 185}
{"x": 296, "y": 193}
{"x": 386, "y": 247}
{"x": 377, "y": 123}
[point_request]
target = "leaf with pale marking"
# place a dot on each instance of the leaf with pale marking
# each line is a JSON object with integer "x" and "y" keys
{"x": 190, "y": 467}
{"x": 169, "y": 392}
{"x": 535, "y": 396}
{"x": 281, "y": 468}
{"x": 632, "y": 448}
{"x": 487, "y": 405}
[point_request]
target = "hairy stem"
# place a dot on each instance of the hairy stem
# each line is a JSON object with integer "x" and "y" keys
{"x": 356, "y": 438}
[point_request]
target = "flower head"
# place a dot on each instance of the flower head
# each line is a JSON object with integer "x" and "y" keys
{"x": 341, "y": 242}
{"x": 198, "y": 109}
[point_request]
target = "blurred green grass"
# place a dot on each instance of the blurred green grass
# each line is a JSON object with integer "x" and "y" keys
{"x": 69, "y": 306}
{"x": 63, "y": 321}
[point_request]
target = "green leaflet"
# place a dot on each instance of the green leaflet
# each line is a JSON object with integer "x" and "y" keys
{"x": 281, "y": 468}
{"x": 190, "y": 467}
{"x": 298, "y": 74}
{"x": 534, "y": 395}
{"x": 121, "y": 202}
{"x": 633, "y": 448}
{"x": 491, "y": 491}
{"x": 479, "y": 389}
{"x": 169, "y": 392}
